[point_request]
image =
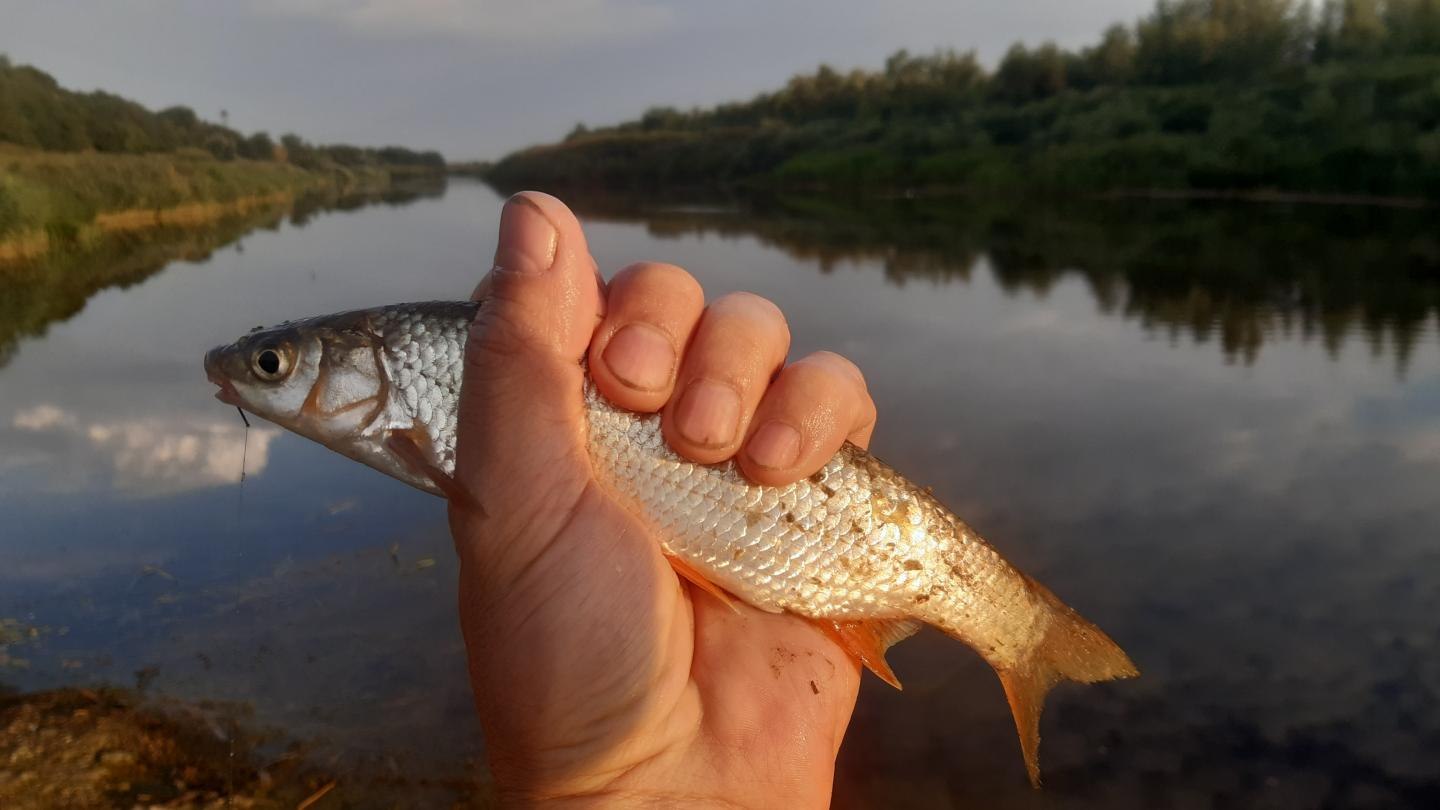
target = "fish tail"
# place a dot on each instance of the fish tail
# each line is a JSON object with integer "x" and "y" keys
{"x": 1072, "y": 649}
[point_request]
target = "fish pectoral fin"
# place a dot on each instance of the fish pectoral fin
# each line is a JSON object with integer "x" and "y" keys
{"x": 407, "y": 445}
{"x": 689, "y": 574}
{"x": 868, "y": 641}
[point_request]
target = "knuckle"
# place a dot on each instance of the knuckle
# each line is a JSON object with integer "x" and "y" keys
{"x": 868, "y": 414}
{"x": 837, "y": 365}
{"x": 501, "y": 328}
{"x": 756, "y": 309}
{"x": 671, "y": 277}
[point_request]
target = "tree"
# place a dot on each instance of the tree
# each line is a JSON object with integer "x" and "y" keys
{"x": 221, "y": 146}
{"x": 298, "y": 152}
{"x": 257, "y": 147}
{"x": 1412, "y": 26}
{"x": 1112, "y": 61}
{"x": 1026, "y": 75}
{"x": 1362, "y": 28}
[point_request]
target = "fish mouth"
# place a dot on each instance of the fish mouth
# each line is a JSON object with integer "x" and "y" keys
{"x": 227, "y": 393}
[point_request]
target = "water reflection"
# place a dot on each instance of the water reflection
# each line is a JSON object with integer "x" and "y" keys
{"x": 1239, "y": 275}
{"x": 39, "y": 293}
{"x": 54, "y": 449}
{"x": 1258, "y": 533}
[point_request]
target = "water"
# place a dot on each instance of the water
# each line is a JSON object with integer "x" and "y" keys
{"x": 1215, "y": 430}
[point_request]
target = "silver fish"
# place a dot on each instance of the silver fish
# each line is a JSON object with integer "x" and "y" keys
{"x": 856, "y": 547}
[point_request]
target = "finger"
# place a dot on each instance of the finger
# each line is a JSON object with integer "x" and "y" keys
{"x": 521, "y": 412}
{"x": 814, "y": 406}
{"x": 739, "y": 344}
{"x": 543, "y": 278}
{"x": 482, "y": 290}
{"x": 635, "y": 354}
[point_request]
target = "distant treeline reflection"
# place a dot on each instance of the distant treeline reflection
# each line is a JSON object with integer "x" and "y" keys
{"x": 1238, "y": 274}
{"x": 33, "y": 295}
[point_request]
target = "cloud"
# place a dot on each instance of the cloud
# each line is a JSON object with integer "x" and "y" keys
{"x": 486, "y": 20}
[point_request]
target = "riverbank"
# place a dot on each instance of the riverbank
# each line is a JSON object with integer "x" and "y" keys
{"x": 106, "y": 747}
{"x": 1353, "y": 129}
{"x": 69, "y": 201}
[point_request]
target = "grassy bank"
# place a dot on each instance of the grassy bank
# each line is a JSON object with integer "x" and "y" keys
{"x": 54, "y": 200}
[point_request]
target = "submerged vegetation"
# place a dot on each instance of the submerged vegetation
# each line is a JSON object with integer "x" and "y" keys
{"x": 1225, "y": 95}
{"x": 74, "y": 166}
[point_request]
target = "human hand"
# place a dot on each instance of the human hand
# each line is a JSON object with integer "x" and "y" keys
{"x": 598, "y": 675}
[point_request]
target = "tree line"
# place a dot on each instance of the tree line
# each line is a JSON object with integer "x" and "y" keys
{"x": 1198, "y": 93}
{"x": 36, "y": 112}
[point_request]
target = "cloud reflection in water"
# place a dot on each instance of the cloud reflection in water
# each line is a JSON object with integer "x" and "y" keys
{"x": 141, "y": 457}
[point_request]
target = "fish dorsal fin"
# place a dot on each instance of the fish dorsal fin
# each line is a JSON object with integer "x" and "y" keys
{"x": 868, "y": 641}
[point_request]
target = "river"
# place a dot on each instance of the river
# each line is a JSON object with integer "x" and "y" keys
{"x": 1214, "y": 429}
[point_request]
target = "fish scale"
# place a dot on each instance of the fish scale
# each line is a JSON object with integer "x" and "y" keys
{"x": 820, "y": 533}
{"x": 856, "y": 546}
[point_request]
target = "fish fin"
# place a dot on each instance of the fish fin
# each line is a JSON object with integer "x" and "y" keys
{"x": 689, "y": 574}
{"x": 1072, "y": 649}
{"x": 868, "y": 641}
{"x": 403, "y": 442}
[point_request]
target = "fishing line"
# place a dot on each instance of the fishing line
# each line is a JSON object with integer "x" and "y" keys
{"x": 244, "y": 461}
{"x": 239, "y": 518}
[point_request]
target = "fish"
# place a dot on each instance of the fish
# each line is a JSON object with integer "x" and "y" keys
{"x": 857, "y": 548}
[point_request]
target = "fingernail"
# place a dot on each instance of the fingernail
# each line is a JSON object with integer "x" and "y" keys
{"x": 775, "y": 446}
{"x": 527, "y": 239}
{"x": 708, "y": 414}
{"x": 640, "y": 356}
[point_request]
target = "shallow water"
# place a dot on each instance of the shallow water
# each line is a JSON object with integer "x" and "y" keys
{"x": 1215, "y": 430}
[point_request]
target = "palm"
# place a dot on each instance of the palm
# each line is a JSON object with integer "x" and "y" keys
{"x": 596, "y": 671}
{"x": 614, "y": 665}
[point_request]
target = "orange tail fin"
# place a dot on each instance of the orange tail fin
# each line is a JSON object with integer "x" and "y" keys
{"x": 1073, "y": 650}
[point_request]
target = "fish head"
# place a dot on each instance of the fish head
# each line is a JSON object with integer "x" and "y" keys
{"x": 321, "y": 378}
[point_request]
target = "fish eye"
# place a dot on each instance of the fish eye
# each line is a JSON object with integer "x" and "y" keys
{"x": 270, "y": 364}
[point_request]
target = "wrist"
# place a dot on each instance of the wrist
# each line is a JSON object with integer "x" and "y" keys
{"x": 613, "y": 799}
{"x": 661, "y": 780}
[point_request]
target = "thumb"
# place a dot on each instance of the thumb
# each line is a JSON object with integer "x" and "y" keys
{"x": 543, "y": 292}
{"x": 520, "y": 443}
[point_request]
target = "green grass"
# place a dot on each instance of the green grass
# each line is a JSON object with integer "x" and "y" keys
{"x": 60, "y": 194}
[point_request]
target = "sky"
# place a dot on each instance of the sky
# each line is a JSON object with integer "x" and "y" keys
{"x": 478, "y": 78}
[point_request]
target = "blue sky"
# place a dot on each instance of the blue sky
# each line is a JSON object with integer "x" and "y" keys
{"x": 476, "y": 78}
